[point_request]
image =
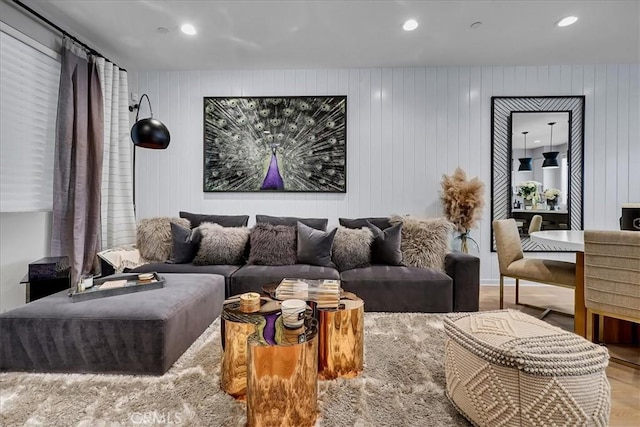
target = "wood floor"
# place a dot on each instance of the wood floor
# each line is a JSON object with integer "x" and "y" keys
{"x": 625, "y": 381}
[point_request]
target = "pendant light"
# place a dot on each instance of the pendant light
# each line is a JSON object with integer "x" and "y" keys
{"x": 525, "y": 162}
{"x": 551, "y": 157}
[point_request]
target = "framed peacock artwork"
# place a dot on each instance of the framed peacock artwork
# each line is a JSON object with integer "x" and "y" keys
{"x": 286, "y": 144}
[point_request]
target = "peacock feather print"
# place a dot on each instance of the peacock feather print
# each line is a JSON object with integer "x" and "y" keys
{"x": 293, "y": 144}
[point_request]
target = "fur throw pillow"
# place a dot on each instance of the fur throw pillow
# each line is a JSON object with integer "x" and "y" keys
{"x": 273, "y": 245}
{"x": 425, "y": 242}
{"x": 352, "y": 248}
{"x": 221, "y": 245}
{"x": 153, "y": 237}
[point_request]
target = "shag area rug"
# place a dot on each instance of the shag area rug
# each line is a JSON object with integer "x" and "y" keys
{"x": 402, "y": 385}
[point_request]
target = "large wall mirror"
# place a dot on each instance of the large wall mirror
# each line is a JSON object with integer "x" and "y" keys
{"x": 537, "y": 164}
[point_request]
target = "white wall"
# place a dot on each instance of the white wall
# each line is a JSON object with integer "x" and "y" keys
{"x": 25, "y": 238}
{"x": 406, "y": 127}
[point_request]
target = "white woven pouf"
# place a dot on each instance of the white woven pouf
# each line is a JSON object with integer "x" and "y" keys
{"x": 506, "y": 368}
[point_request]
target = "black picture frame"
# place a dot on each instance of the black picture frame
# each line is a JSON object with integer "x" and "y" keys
{"x": 292, "y": 144}
{"x": 502, "y": 108}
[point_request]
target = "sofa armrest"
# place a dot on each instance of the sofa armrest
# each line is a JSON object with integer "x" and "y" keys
{"x": 464, "y": 269}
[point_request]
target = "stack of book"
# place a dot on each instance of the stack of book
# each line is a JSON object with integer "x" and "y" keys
{"x": 324, "y": 292}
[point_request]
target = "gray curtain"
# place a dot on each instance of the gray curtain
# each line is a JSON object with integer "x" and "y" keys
{"x": 78, "y": 163}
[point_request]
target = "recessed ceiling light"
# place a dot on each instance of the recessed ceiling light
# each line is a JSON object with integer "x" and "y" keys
{"x": 475, "y": 25}
{"x": 410, "y": 25}
{"x": 188, "y": 29}
{"x": 162, "y": 30}
{"x": 566, "y": 21}
{"x": 537, "y": 140}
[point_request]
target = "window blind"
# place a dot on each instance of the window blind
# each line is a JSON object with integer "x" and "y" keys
{"x": 29, "y": 80}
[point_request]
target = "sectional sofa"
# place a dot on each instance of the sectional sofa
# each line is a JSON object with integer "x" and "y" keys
{"x": 384, "y": 288}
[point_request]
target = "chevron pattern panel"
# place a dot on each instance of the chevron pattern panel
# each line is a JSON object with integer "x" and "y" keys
{"x": 501, "y": 157}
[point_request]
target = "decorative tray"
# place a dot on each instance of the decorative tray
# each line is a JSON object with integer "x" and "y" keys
{"x": 117, "y": 284}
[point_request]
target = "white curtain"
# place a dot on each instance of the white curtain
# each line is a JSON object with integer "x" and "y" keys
{"x": 118, "y": 217}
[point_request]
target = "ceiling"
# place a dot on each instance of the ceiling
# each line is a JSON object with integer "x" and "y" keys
{"x": 335, "y": 34}
{"x": 537, "y": 124}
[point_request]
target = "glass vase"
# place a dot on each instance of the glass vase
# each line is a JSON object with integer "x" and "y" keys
{"x": 463, "y": 242}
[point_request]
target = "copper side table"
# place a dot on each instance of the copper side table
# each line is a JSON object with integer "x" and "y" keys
{"x": 236, "y": 327}
{"x": 274, "y": 368}
{"x": 282, "y": 378}
{"x": 341, "y": 339}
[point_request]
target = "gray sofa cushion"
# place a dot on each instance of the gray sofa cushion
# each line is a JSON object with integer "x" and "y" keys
{"x": 141, "y": 333}
{"x": 380, "y": 222}
{"x": 251, "y": 278}
{"x": 223, "y": 220}
{"x": 400, "y": 289}
{"x": 223, "y": 270}
{"x": 290, "y": 221}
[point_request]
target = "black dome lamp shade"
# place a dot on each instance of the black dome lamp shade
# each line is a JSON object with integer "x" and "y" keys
{"x": 525, "y": 162}
{"x": 149, "y": 132}
{"x": 551, "y": 157}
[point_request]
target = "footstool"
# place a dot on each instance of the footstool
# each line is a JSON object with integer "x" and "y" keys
{"x": 139, "y": 333}
{"x": 506, "y": 368}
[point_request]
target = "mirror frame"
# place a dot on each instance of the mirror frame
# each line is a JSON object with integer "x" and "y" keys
{"x": 501, "y": 162}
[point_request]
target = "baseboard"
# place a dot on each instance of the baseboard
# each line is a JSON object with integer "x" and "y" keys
{"x": 509, "y": 282}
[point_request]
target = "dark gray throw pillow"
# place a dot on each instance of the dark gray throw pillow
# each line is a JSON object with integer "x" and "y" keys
{"x": 291, "y": 221}
{"x": 314, "y": 246}
{"x": 223, "y": 220}
{"x": 184, "y": 244}
{"x": 380, "y": 222}
{"x": 272, "y": 245}
{"x": 385, "y": 248}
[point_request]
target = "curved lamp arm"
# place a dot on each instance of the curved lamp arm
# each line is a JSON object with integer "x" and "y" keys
{"x": 137, "y": 106}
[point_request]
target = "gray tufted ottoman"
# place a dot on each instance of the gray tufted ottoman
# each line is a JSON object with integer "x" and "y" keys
{"x": 139, "y": 333}
{"x": 506, "y": 368}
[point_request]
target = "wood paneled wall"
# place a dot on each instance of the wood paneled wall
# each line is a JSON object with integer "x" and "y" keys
{"x": 406, "y": 127}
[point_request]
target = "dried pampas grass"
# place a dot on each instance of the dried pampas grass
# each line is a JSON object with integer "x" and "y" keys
{"x": 462, "y": 200}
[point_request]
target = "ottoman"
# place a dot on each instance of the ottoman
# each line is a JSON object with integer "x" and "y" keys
{"x": 506, "y": 368}
{"x": 139, "y": 333}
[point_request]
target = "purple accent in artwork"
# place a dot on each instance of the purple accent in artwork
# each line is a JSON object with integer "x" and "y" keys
{"x": 273, "y": 180}
{"x": 269, "y": 331}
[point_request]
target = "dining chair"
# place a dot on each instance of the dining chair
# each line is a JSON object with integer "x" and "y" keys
{"x": 514, "y": 264}
{"x": 611, "y": 278}
{"x": 536, "y": 224}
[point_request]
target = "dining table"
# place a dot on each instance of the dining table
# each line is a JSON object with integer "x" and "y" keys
{"x": 614, "y": 330}
{"x": 572, "y": 240}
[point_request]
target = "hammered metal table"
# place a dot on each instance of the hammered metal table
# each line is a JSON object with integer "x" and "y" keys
{"x": 275, "y": 368}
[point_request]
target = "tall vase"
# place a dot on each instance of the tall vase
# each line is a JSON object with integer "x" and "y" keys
{"x": 465, "y": 243}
